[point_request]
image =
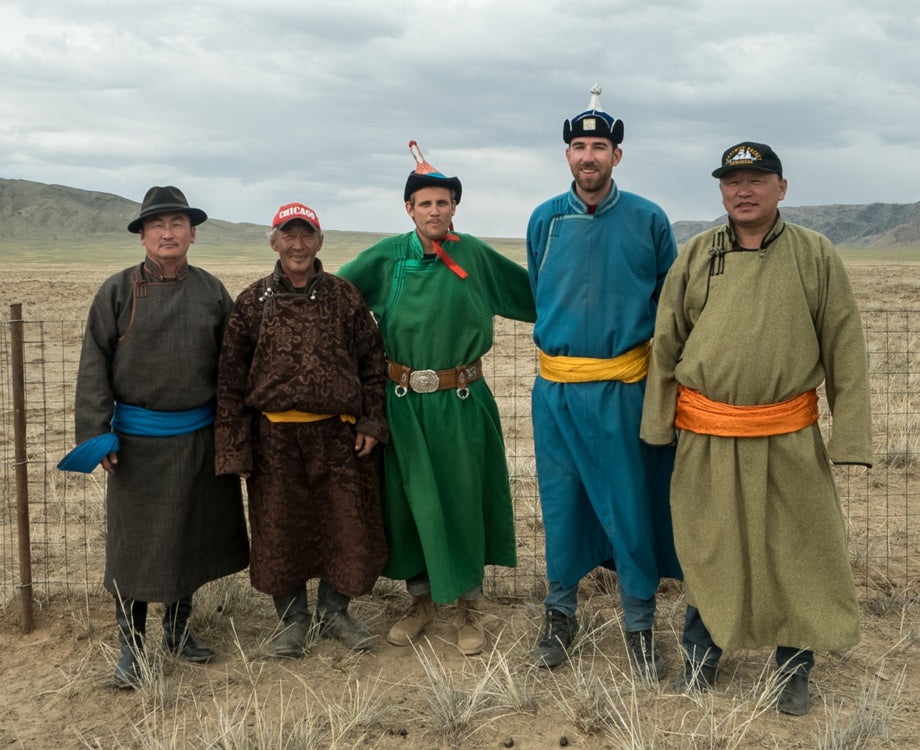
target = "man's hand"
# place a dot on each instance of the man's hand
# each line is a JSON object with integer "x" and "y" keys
{"x": 364, "y": 444}
{"x": 108, "y": 463}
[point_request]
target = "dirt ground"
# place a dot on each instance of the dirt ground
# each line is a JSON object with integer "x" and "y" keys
{"x": 56, "y": 689}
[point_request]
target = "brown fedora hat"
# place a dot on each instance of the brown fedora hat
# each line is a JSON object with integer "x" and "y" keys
{"x": 166, "y": 200}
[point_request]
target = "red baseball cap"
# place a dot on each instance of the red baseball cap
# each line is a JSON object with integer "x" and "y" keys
{"x": 291, "y": 211}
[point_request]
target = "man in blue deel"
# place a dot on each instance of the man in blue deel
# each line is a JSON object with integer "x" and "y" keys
{"x": 597, "y": 258}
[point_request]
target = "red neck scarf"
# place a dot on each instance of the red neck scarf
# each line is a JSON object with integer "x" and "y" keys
{"x": 442, "y": 254}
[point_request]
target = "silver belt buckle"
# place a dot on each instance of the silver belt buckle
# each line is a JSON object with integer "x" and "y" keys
{"x": 424, "y": 381}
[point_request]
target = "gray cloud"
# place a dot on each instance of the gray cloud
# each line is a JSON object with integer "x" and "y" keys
{"x": 250, "y": 105}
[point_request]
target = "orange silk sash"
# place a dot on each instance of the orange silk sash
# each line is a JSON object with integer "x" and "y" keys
{"x": 697, "y": 413}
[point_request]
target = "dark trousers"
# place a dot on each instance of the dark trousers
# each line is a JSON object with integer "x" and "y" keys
{"x": 701, "y": 649}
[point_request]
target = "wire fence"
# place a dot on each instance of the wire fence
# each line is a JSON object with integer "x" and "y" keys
{"x": 67, "y": 511}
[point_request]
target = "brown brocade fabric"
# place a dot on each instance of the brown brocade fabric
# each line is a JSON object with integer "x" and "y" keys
{"x": 314, "y": 507}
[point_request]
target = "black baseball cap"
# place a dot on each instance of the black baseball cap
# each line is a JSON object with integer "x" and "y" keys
{"x": 750, "y": 155}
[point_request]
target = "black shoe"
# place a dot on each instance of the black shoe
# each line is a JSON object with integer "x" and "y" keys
{"x": 557, "y": 639}
{"x": 696, "y": 678}
{"x": 340, "y": 625}
{"x": 290, "y": 640}
{"x": 186, "y": 647}
{"x": 292, "y": 631}
{"x": 646, "y": 660}
{"x": 177, "y": 639}
{"x": 793, "y": 697}
{"x": 128, "y": 670}
{"x": 131, "y": 616}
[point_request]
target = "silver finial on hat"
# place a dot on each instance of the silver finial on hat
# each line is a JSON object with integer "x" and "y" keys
{"x": 595, "y": 102}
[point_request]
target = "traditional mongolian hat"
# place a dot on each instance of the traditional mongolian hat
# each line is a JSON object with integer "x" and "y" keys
{"x": 427, "y": 176}
{"x": 166, "y": 200}
{"x": 593, "y": 122}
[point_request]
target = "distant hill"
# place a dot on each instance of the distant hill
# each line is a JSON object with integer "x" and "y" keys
{"x": 39, "y": 221}
{"x": 881, "y": 225}
{"x": 51, "y": 222}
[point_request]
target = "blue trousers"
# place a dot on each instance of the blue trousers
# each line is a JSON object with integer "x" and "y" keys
{"x": 638, "y": 614}
{"x": 701, "y": 649}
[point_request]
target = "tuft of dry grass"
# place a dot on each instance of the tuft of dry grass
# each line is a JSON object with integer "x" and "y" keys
{"x": 871, "y": 719}
{"x": 513, "y": 685}
{"x": 457, "y": 701}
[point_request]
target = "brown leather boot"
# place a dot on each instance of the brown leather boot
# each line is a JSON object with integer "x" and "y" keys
{"x": 418, "y": 617}
{"x": 470, "y": 635}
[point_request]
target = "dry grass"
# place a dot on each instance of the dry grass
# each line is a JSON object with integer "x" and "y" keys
{"x": 433, "y": 697}
{"x": 429, "y": 696}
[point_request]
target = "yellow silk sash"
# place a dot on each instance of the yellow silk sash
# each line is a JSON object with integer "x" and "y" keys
{"x": 629, "y": 367}
{"x": 293, "y": 415}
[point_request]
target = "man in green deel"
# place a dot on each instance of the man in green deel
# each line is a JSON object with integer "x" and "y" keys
{"x": 447, "y": 502}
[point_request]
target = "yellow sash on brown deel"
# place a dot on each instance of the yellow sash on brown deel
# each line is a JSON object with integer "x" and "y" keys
{"x": 293, "y": 415}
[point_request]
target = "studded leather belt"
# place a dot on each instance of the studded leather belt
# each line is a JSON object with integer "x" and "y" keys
{"x": 429, "y": 381}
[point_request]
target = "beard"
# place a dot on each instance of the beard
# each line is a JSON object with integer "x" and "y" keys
{"x": 592, "y": 182}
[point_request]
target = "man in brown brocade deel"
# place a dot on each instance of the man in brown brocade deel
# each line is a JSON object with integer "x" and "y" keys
{"x": 300, "y": 410}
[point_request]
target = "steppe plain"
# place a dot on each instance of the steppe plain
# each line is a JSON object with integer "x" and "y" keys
{"x": 55, "y": 689}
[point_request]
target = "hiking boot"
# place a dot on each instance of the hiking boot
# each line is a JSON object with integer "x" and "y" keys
{"x": 419, "y": 616}
{"x": 645, "y": 659}
{"x": 342, "y": 626}
{"x": 470, "y": 635}
{"x": 696, "y": 678}
{"x": 793, "y": 697}
{"x": 558, "y": 635}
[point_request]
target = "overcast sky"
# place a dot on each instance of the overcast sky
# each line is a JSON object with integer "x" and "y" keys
{"x": 246, "y": 105}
